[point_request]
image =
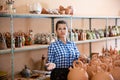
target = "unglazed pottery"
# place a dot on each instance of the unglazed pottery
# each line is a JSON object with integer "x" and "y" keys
{"x": 116, "y": 70}
{"x": 77, "y": 72}
{"x": 101, "y": 73}
{"x": 102, "y": 76}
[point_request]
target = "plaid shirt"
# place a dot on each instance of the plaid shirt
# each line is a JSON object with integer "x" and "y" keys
{"x": 62, "y": 54}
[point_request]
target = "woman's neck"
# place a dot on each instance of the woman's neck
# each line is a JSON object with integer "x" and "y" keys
{"x": 63, "y": 40}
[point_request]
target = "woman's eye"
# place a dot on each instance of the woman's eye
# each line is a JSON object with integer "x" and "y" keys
{"x": 64, "y": 28}
{"x": 59, "y": 29}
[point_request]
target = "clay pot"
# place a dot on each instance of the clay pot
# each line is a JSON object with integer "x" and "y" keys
{"x": 28, "y": 39}
{"x": 44, "y": 11}
{"x": 61, "y": 8}
{"x": 2, "y": 42}
{"x": 102, "y": 76}
{"x": 96, "y": 62}
{"x": 107, "y": 60}
{"x": 116, "y": 70}
{"x": 84, "y": 59}
{"x": 77, "y": 72}
{"x": 8, "y": 39}
{"x": 101, "y": 73}
{"x": 26, "y": 72}
{"x": 90, "y": 70}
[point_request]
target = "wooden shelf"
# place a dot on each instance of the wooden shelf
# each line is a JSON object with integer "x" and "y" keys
{"x": 95, "y": 17}
{"x": 36, "y": 47}
{"x": 35, "y": 15}
{"x": 97, "y": 40}
{"x": 24, "y": 48}
{"x": 28, "y": 15}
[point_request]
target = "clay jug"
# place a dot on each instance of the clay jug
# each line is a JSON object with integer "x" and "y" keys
{"x": 102, "y": 73}
{"x": 90, "y": 70}
{"x": 8, "y": 39}
{"x": 77, "y": 72}
{"x": 26, "y": 72}
{"x": 115, "y": 71}
{"x": 102, "y": 76}
{"x": 2, "y": 42}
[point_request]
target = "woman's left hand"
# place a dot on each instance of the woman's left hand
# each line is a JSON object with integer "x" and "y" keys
{"x": 50, "y": 66}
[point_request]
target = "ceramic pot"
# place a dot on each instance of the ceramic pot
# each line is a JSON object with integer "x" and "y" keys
{"x": 26, "y": 72}
{"x": 102, "y": 76}
{"x": 101, "y": 73}
{"x": 77, "y": 72}
{"x": 115, "y": 71}
{"x": 2, "y": 42}
{"x": 8, "y": 39}
{"x": 36, "y": 8}
{"x": 89, "y": 70}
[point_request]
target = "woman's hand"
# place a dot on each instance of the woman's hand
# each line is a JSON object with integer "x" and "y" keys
{"x": 50, "y": 66}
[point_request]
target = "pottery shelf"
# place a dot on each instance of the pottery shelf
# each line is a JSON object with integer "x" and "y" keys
{"x": 97, "y": 40}
{"x": 95, "y": 17}
{"x": 24, "y": 48}
{"x": 37, "y": 47}
{"x": 27, "y": 15}
{"x": 51, "y": 16}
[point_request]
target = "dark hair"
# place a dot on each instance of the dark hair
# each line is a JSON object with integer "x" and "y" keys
{"x": 60, "y": 22}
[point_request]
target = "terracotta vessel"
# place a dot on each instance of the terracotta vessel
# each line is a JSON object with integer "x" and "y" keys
{"x": 101, "y": 73}
{"x": 94, "y": 65}
{"x": 116, "y": 70}
{"x": 2, "y": 42}
{"x": 89, "y": 70}
{"x": 77, "y": 72}
{"x": 26, "y": 72}
{"x": 102, "y": 76}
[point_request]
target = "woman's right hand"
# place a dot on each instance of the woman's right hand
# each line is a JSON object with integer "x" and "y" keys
{"x": 50, "y": 66}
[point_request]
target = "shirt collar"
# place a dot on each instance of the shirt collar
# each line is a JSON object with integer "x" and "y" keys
{"x": 67, "y": 41}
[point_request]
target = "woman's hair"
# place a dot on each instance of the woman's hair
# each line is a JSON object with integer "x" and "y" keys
{"x": 60, "y": 22}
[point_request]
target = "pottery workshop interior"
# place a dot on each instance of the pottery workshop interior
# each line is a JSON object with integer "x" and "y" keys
{"x": 33, "y": 46}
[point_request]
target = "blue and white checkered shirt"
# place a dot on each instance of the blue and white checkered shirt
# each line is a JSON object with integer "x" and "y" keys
{"x": 62, "y": 54}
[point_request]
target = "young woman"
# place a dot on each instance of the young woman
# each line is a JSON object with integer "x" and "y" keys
{"x": 61, "y": 53}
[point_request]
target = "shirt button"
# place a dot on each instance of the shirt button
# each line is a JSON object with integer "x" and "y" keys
{"x": 70, "y": 55}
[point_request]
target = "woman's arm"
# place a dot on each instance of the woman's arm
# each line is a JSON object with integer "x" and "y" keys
{"x": 50, "y": 65}
{"x": 76, "y": 51}
{"x": 51, "y": 53}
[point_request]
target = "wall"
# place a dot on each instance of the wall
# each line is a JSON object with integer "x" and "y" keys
{"x": 81, "y": 7}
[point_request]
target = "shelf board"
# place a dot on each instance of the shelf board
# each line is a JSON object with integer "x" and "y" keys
{"x": 36, "y": 47}
{"x": 28, "y": 15}
{"x": 92, "y": 40}
{"x": 95, "y": 17}
{"x": 24, "y": 48}
{"x": 97, "y": 40}
{"x": 110, "y": 38}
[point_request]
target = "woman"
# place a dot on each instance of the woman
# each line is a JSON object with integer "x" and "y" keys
{"x": 61, "y": 53}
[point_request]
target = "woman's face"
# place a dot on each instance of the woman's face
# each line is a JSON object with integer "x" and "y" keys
{"x": 62, "y": 31}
